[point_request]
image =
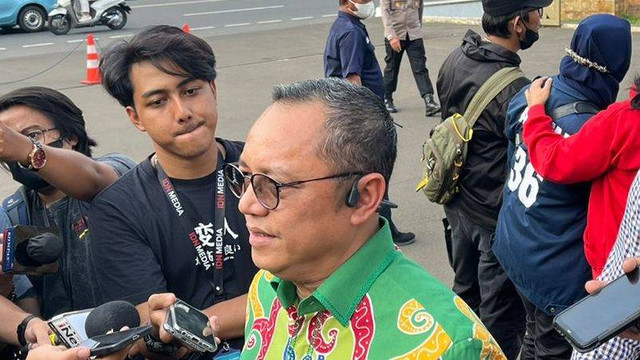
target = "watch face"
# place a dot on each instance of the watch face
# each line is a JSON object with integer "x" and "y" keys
{"x": 38, "y": 159}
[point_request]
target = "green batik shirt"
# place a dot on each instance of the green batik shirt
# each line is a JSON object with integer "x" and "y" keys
{"x": 378, "y": 305}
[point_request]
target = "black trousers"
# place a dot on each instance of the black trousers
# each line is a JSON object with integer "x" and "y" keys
{"x": 417, "y": 59}
{"x": 542, "y": 341}
{"x": 482, "y": 283}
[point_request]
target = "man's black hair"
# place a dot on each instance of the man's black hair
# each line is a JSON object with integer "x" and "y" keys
{"x": 499, "y": 25}
{"x": 66, "y": 116}
{"x": 168, "y": 48}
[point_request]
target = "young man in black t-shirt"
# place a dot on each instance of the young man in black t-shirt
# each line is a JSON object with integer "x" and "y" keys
{"x": 169, "y": 224}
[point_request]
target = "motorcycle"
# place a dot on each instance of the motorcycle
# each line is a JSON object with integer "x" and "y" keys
{"x": 64, "y": 16}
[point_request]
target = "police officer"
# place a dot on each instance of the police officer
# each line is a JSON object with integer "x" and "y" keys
{"x": 402, "y": 21}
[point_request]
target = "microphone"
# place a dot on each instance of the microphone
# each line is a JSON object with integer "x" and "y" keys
{"x": 31, "y": 250}
{"x": 113, "y": 315}
{"x": 39, "y": 250}
{"x": 66, "y": 327}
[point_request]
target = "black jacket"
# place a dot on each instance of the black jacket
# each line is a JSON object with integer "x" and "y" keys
{"x": 459, "y": 78}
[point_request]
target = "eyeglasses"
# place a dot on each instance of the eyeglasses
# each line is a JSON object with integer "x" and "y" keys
{"x": 38, "y": 134}
{"x": 540, "y": 12}
{"x": 267, "y": 190}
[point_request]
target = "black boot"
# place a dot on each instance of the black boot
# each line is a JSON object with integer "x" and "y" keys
{"x": 388, "y": 103}
{"x": 431, "y": 105}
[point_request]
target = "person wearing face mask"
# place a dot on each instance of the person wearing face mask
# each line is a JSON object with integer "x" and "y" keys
{"x": 532, "y": 249}
{"x": 44, "y": 144}
{"x": 471, "y": 217}
{"x": 349, "y": 54}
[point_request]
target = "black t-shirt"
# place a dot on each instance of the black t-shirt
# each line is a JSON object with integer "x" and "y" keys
{"x": 140, "y": 247}
{"x": 72, "y": 287}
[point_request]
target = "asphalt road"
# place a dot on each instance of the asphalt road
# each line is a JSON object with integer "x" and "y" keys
{"x": 250, "y": 63}
{"x": 207, "y": 17}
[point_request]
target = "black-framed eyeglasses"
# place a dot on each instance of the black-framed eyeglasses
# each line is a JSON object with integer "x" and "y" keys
{"x": 540, "y": 12}
{"x": 267, "y": 190}
{"x": 38, "y": 134}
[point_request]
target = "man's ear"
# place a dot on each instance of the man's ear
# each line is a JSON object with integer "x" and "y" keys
{"x": 371, "y": 188}
{"x": 73, "y": 141}
{"x": 133, "y": 117}
{"x": 518, "y": 28}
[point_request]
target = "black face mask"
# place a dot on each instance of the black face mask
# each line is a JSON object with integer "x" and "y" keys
{"x": 530, "y": 37}
{"x": 31, "y": 179}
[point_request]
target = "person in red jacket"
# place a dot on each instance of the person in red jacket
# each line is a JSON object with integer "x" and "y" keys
{"x": 605, "y": 151}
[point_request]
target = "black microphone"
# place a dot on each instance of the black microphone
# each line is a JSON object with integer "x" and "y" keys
{"x": 113, "y": 315}
{"x": 39, "y": 250}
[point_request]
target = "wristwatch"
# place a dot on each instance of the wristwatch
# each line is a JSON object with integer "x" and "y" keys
{"x": 37, "y": 156}
{"x": 22, "y": 328}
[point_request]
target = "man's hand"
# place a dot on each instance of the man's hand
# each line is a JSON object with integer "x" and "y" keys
{"x": 594, "y": 286}
{"x": 37, "y": 332}
{"x": 539, "y": 92}
{"x": 50, "y": 352}
{"x": 13, "y": 145}
{"x": 395, "y": 44}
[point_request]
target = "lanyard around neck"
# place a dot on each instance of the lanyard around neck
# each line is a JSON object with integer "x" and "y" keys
{"x": 202, "y": 236}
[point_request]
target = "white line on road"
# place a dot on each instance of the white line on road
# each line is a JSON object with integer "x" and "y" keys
{"x": 203, "y": 28}
{"x": 36, "y": 45}
{"x": 240, "y": 24}
{"x": 269, "y": 21}
{"x": 120, "y": 36}
{"x": 3, "y": 49}
{"x": 302, "y": 18}
{"x": 235, "y": 10}
{"x": 74, "y": 41}
{"x": 330, "y": 15}
{"x": 175, "y": 3}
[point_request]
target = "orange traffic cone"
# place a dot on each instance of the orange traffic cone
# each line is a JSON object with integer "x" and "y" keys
{"x": 186, "y": 28}
{"x": 93, "y": 71}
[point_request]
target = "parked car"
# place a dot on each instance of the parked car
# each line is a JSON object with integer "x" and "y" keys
{"x": 30, "y": 15}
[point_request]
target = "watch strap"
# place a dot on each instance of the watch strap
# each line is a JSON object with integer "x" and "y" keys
{"x": 22, "y": 328}
{"x": 156, "y": 346}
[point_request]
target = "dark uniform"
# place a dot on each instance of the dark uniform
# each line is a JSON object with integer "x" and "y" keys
{"x": 349, "y": 51}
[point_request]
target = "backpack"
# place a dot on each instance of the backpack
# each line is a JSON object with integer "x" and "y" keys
{"x": 16, "y": 207}
{"x": 445, "y": 153}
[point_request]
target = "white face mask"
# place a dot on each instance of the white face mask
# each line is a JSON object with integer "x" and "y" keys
{"x": 364, "y": 11}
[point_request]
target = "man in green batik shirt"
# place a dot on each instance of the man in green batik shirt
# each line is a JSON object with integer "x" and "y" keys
{"x": 312, "y": 175}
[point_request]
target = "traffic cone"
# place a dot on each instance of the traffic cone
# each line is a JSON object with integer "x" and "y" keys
{"x": 93, "y": 71}
{"x": 186, "y": 28}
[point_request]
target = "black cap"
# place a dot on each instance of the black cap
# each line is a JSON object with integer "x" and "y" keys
{"x": 505, "y": 7}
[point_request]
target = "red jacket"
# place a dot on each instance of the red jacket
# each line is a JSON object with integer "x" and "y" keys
{"x": 605, "y": 151}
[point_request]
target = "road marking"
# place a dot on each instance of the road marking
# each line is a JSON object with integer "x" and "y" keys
{"x": 269, "y": 21}
{"x": 120, "y": 36}
{"x": 240, "y": 24}
{"x": 74, "y": 41}
{"x": 235, "y": 10}
{"x": 3, "y": 49}
{"x": 36, "y": 45}
{"x": 175, "y": 3}
{"x": 302, "y": 18}
{"x": 330, "y": 15}
{"x": 203, "y": 28}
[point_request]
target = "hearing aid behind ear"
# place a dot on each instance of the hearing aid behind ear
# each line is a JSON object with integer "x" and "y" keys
{"x": 354, "y": 194}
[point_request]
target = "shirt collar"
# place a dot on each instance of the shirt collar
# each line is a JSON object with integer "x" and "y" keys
{"x": 354, "y": 19}
{"x": 344, "y": 289}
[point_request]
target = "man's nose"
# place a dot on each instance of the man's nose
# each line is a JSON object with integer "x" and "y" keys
{"x": 249, "y": 204}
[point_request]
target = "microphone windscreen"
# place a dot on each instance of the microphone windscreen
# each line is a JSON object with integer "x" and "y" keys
{"x": 113, "y": 315}
{"x": 45, "y": 248}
